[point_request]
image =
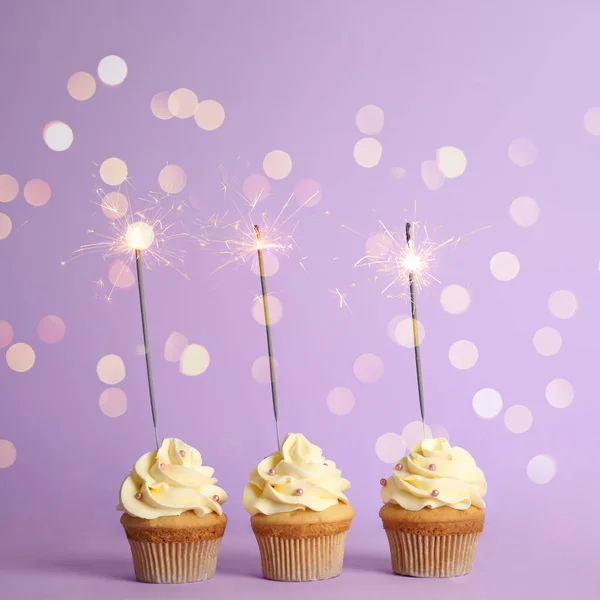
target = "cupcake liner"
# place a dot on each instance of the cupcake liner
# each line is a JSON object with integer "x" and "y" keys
{"x": 176, "y": 562}
{"x": 432, "y": 555}
{"x": 302, "y": 559}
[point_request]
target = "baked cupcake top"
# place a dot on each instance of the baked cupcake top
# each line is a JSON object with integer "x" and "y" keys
{"x": 435, "y": 474}
{"x": 169, "y": 482}
{"x": 297, "y": 477}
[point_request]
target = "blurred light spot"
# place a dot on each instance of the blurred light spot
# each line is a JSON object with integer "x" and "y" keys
{"x": 114, "y": 205}
{"x": 541, "y": 469}
{"x": 111, "y": 369}
{"x": 194, "y": 360}
{"x": 20, "y": 357}
{"x": 340, "y": 401}
{"x": 398, "y": 172}
{"x": 431, "y": 175}
{"x": 8, "y": 454}
{"x": 81, "y": 86}
{"x": 504, "y": 266}
{"x": 182, "y": 103}
{"x": 270, "y": 263}
{"x": 5, "y": 226}
{"x": 51, "y": 329}
{"x": 6, "y": 334}
{"x": 390, "y": 447}
{"x": 58, "y": 136}
{"x": 209, "y": 115}
{"x": 591, "y": 120}
{"x": 463, "y": 355}
{"x": 367, "y": 152}
{"x": 368, "y": 368}
{"x": 412, "y": 434}
{"x": 113, "y": 402}
{"x": 369, "y": 119}
{"x": 159, "y": 105}
{"x": 378, "y": 244}
{"x": 37, "y": 192}
{"x": 404, "y": 333}
{"x": 275, "y": 310}
{"x": 455, "y": 299}
{"x": 308, "y": 192}
{"x": 112, "y": 70}
{"x": 175, "y": 346}
{"x": 140, "y": 349}
{"x": 113, "y": 171}
{"x": 172, "y": 179}
{"x": 522, "y": 152}
{"x": 547, "y": 341}
{"x": 277, "y": 164}
{"x": 256, "y": 188}
{"x": 260, "y": 370}
{"x": 120, "y": 275}
{"x": 139, "y": 235}
{"x": 524, "y": 211}
{"x": 518, "y": 419}
{"x": 439, "y": 431}
{"x": 9, "y": 188}
{"x": 562, "y": 304}
{"x": 195, "y": 202}
{"x": 451, "y": 161}
{"x": 560, "y": 393}
{"x": 487, "y": 403}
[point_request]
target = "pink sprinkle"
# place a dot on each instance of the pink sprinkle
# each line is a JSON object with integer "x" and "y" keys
{"x": 299, "y": 492}
{"x": 271, "y": 471}
{"x": 398, "y": 467}
{"x": 432, "y": 467}
{"x": 325, "y": 465}
{"x": 215, "y": 498}
{"x": 435, "y": 493}
{"x": 383, "y": 482}
{"x": 182, "y": 453}
{"x": 162, "y": 466}
{"x": 138, "y": 496}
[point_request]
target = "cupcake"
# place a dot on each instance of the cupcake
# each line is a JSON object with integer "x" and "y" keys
{"x": 433, "y": 513}
{"x": 300, "y": 516}
{"x": 173, "y": 517}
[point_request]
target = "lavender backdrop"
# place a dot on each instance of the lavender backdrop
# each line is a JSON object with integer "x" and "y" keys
{"x": 512, "y": 86}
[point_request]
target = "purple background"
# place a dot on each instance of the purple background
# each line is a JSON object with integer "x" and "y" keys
{"x": 292, "y": 76}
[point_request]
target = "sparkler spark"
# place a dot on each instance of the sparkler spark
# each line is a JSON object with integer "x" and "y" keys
{"x": 342, "y": 299}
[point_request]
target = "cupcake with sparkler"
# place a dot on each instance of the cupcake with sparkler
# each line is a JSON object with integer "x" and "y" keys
{"x": 433, "y": 514}
{"x": 174, "y": 518}
{"x": 300, "y": 515}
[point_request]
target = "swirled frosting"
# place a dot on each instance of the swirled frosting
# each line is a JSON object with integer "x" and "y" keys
{"x": 295, "y": 478}
{"x": 435, "y": 474}
{"x": 169, "y": 482}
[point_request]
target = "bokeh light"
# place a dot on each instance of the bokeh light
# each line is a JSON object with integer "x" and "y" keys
{"x": 8, "y": 454}
{"x": 172, "y": 179}
{"x": 175, "y": 346}
{"x": 367, "y": 152}
{"x": 270, "y": 264}
{"x": 6, "y": 334}
{"x": 37, "y": 192}
{"x": 20, "y": 357}
{"x": 308, "y": 192}
{"x": 368, "y": 368}
{"x": 256, "y": 188}
{"x": 81, "y": 86}
{"x": 112, "y": 70}
{"x": 260, "y": 370}
{"x": 504, "y": 266}
{"x": 439, "y": 431}
{"x": 463, "y": 355}
{"x": 340, "y": 401}
{"x": 159, "y": 105}
{"x": 275, "y": 310}
{"x": 120, "y": 275}
{"x": 404, "y": 333}
{"x": 547, "y": 341}
{"x": 277, "y": 164}
{"x": 51, "y": 329}
{"x": 559, "y": 393}
{"x": 58, "y": 136}
{"x": 209, "y": 115}
{"x": 194, "y": 360}
{"x": 182, "y": 103}
{"x": 591, "y": 120}
{"x": 113, "y": 171}
{"x": 487, "y": 403}
{"x": 455, "y": 299}
{"x": 113, "y": 402}
{"x": 541, "y": 469}
{"x": 110, "y": 369}
{"x": 562, "y": 304}
{"x": 451, "y": 161}
{"x": 139, "y": 235}
{"x": 9, "y": 188}
{"x": 378, "y": 244}
{"x": 518, "y": 418}
{"x": 5, "y": 226}
{"x": 114, "y": 205}
{"x": 398, "y": 172}
{"x": 431, "y": 175}
{"x": 522, "y": 152}
{"x": 412, "y": 433}
{"x": 369, "y": 119}
{"x": 524, "y": 211}
{"x": 390, "y": 447}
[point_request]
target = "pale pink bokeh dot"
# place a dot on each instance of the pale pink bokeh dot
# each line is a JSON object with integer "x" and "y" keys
{"x": 368, "y": 368}
{"x": 547, "y": 341}
{"x": 8, "y": 454}
{"x": 112, "y": 70}
{"x": 9, "y": 188}
{"x": 439, "y": 431}
{"x": 172, "y": 179}
{"x": 194, "y": 360}
{"x": 455, "y": 299}
{"x": 120, "y": 274}
{"x": 37, "y": 192}
{"x": 369, "y": 119}
{"x": 518, "y": 418}
{"x": 58, "y": 136}
{"x": 113, "y": 402}
{"x": 390, "y": 447}
{"x": 412, "y": 433}
{"x": 591, "y": 120}
{"x": 432, "y": 176}
{"x": 378, "y": 244}
{"x": 209, "y": 115}
{"x": 5, "y": 226}
{"x": 451, "y": 161}
{"x": 522, "y": 152}
{"x": 174, "y": 346}
{"x": 182, "y": 103}
{"x": 404, "y": 335}
{"x": 541, "y": 469}
{"x": 110, "y": 369}
{"x": 463, "y": 355}
{"x": 270, "y": 264}
{"x": 308, "y": 192}
{"x": 20, "y": 357}
{"x": 113, "y": 171}
{"x": 6, "y": 334}
{"x": 51, "y": 329}
{"x": 275, "y": 310}
{"x": 487, "y": 403}
{"x": 159, "y": 105}
{"x": 340, "y": 401}
{"x": 367, "y": 152}
{"x": 256, "y": 188}
{"x": 114, "y": 205}
{"x": 277, "y": 164}
{"x": 260, "y": 370}
{"x": 81, "y": 86}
